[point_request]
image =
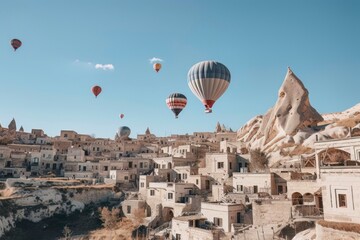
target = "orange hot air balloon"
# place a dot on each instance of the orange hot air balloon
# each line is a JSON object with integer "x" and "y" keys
{"x": 121, "y": 116}
{"x": 16, "y": 43}
{"x": 157, "y": 67}
{"x": 96, "y": 90}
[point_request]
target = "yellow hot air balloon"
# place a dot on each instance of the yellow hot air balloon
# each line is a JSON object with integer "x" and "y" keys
{"x": 157, "y": 67}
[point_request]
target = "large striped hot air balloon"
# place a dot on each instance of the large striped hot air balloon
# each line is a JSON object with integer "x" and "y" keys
{"x": 208, "y": 80}
{"x": 176, "y": 103}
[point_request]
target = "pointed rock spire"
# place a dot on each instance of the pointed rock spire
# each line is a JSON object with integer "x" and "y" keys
{"x": 218, "y": 127}
{"x": 292, "y": 110}
{"x": 12, "y": 125}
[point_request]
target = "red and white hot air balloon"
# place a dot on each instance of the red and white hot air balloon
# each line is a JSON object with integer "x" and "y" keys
{"x": 176, "y": 102}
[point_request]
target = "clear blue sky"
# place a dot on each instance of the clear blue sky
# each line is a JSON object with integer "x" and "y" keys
{"x": 43, "y": 87}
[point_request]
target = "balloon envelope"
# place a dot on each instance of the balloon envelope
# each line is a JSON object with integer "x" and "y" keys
{"x": 124, "y": 132}
{"x": 16, "y": 43}
{"x": 176, "y": 102}
{"x": 208, "y": 80}
{"x": 157, "y": 67}
{"x": 121, "y": 115}
{"x": 96, "y": 90}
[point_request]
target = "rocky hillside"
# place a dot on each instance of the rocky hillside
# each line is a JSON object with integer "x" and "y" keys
{"x": 34, "y": 200}
{"x": 292, "y": 123}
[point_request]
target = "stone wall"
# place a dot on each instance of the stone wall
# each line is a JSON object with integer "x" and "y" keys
{"x": 329, "y": 233}
{"x": 274, "y": 212}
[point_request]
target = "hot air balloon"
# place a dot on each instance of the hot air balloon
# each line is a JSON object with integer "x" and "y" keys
{"x": 208, "y": 80}
{"x": 16, "y": 43}
{"x": 96, "y": 90}
{"x": 176, "y": 103}
{"x": 121, "y": 116}
{"x": 157, "y": 67}
{"x": 124, "y": 132}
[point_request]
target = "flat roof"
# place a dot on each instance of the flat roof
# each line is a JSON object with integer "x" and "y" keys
{"x": 190, "y": 217}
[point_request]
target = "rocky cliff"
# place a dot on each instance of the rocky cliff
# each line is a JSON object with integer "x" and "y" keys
{"x": 35, "y": 200}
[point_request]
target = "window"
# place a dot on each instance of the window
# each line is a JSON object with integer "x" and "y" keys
{"x": 146, "y": 165}
{"x": 152, "y": 192}
{"x": 184, "y": 175}
{"x": 105, "y": 168}
{"x": 239, "y": 188}
{"x": 255, "y": 189}
{"x": 197, "y": 181}
{"x": 220, "y": 165}
{"x": 170, "y": 195}
{"x": 142, "y": 184}
{"x": 178, "y": 236}
{"x": 128, "y": 209}
{"x": 218, "y": 221}
{"x": 342, "y": 200}
{"x": 130, "y": 164}
{"x": 126, "y": 177}
{"x": 230, "y": 165}
{"x": 141, "y": 165}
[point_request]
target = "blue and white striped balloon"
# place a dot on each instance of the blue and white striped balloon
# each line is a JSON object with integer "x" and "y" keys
{"x": 208, "y": 80}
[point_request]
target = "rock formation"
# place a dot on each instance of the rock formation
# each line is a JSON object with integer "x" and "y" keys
{"x": 292, "y": 111}
{"x": 12, "y": 125}
{"x": 290, "y": 121}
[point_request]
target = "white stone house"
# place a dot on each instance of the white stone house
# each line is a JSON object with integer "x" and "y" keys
{"x": 193, "y": 227}
{"x": 223, "y": 215}
{"x": 252, "y": 183}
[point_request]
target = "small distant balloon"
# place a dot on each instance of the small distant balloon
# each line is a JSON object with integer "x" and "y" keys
{"x": 157, "y": 67}
{"x": 121, "y": 116}
{"x": 176, "y": 103}
{"x": 96, "y": 90}
{"x": 16, "y": 43}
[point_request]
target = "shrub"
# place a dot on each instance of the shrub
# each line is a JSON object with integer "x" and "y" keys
{"x": 258, "y": 160}
{"x": 109, "y": 217}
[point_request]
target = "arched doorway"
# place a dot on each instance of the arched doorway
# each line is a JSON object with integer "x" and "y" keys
{"x": 308, "y": 198}
{"x": 168, "y": 214}
{"x": 297, "y": 198}
{"x": 333, "y": 157}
